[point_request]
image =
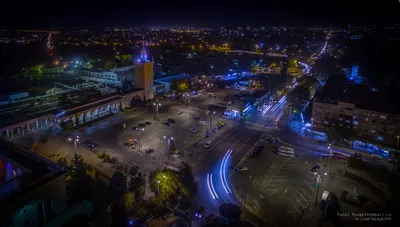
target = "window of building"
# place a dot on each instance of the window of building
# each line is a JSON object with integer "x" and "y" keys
{"x": 366, "y": 119}
{"x": 347, "y": 121}
{"x": 373, "y": 121}
{"x": 373, "y": 131}
{"x": 355, "y": 122}
{"x": 383, "y": 117}
{"x": 374, "y": 115}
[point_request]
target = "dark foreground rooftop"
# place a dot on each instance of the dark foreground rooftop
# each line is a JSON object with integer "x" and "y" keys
{"x": 36, "y": 170}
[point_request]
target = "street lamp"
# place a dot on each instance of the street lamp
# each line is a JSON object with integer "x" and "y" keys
{"x": 156, "y": 104}
{"x": 210, "y": 113}
{"x": 319, "y": 181}
{"x": 139, "y": 138}
{"x": 75, "y": 141}
{"x": 169, "y": 139}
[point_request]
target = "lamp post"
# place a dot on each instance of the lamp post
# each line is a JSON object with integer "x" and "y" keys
{"x": 210, "y": 113}
{"x": 75, "y": 141}
{"x": 156, "y": 104}
{"x": 397, "y": 141}
{"x": 319, "y": 181}
{"x": 139, "y": 138}
{"x": 169, "y": 139}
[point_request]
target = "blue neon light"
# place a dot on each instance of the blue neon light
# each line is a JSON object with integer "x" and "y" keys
{"x": 60, "y": 114}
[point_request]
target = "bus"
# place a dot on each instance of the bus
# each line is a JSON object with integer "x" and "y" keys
{"x": 286, "y": 151}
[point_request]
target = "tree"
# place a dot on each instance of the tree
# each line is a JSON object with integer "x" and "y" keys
{"x": 180, "y": 85}
{"x": 110, "y": 65}
{"x": 188, "y": 180}
{"x": 77, "y": 166}
{"x": 63, "y": 101}
{"x": 168, "y": 186}
{"x": 34, "y": 73}
{"x": 129, "y": 200}
{"x": 126, "y": 60}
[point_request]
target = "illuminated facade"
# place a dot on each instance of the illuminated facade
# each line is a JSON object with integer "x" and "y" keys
{"x": 144, "y": 78}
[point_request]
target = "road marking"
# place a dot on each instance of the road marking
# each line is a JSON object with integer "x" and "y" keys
{"x": 286, "y": 190}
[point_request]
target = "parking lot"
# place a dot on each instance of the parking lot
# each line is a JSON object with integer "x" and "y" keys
{"x": 159, "y": 136}
{"x": 277, "y": 188}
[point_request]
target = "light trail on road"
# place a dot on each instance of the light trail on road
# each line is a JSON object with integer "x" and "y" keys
{"x": 222, "y": 172}
{"x": 211, "y": 186}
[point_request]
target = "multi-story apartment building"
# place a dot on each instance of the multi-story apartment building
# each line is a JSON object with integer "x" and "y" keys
{"x": 367, "y": 111}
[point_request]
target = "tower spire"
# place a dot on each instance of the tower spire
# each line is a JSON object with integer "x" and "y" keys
{"x": 143, "y": 52}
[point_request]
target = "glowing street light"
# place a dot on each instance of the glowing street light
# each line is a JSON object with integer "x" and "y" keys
{"x": 75, "y": 141}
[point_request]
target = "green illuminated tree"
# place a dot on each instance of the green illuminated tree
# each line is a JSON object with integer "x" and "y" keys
{"x": 77, "y": 166}
{"x": 168, "y": 186}
{"x": 129, "y": 200}
{"x": 179, "y": 85}
{"x": 110, "y": 65}
{"x": 126, "y": 60}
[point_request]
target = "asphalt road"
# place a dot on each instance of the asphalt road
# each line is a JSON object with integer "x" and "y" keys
{"x": 272, "y": 185}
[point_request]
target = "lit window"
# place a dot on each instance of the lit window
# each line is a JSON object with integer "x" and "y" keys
{"x": 373, "y": 131}
{"x": 355, "y": 122}
{"x": 383, "y": 117}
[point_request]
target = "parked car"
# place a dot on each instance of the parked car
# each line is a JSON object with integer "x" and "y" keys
{"x": 201, "y": 122}
{"x": 167, "y": 123}
{"x": 241, "y": 168}
{"x": 180, "y": 112}
{"x": 149, "y": 151}
{"x": 89, "y": 144}
{"x": 135, "y": 128}
{"x": 142, "y": 125}
{"x": 171, "y": 120}
{"x": 196, "y": 115}
{"x": 192, "y": 130}
{"x": 207, "y": 144}
{"x": 315, "y": 168}
{"x": 199, "y": 213}
{"x": 148, "y": 123}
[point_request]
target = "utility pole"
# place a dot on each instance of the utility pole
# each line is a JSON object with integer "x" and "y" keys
{"x": 210, "y": 113}
{"x": 318, "y": 185}
{"x": 156, "y": 104}
{"x": 139, "y": 139}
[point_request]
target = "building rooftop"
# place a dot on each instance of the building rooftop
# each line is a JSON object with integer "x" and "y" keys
{"x": 72, "y": 81}
{"x": 340, "y": 89}
{"x": 92, "y": 103}
{"x": 35, "y": 169}
{"x": 175, "y": 77}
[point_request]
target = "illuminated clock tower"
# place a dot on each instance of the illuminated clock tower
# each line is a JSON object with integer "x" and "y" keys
{"x": 144, "y": 74}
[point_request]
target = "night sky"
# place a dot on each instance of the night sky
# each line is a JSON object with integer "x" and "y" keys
{"x": 30, "y": 14}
